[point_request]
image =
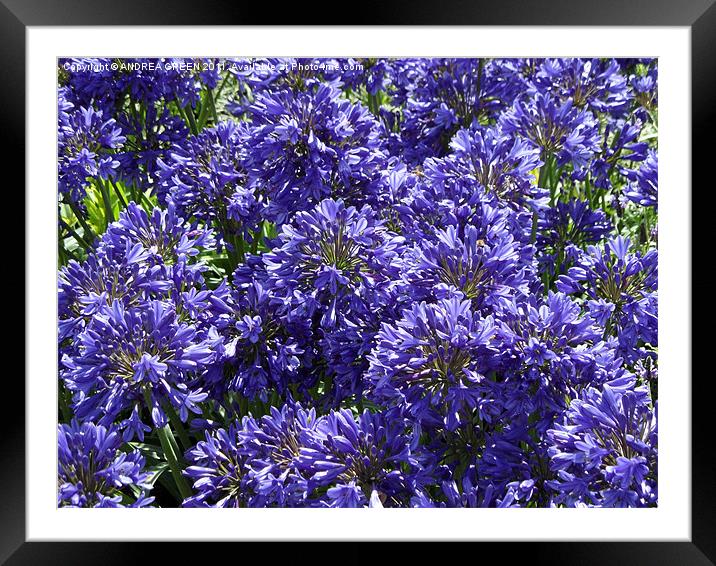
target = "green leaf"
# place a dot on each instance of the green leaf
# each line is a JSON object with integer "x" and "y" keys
{"x": 148, "y": 450}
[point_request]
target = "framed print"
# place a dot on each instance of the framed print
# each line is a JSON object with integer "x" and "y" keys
{"x": 421, "y": 282}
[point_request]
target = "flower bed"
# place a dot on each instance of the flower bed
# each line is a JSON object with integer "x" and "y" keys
{"x": 357, "y": 283}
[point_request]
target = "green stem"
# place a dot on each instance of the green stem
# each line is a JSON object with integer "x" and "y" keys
{"x": 133, "y": 191}
{"x": 170, "y": 449}
{"x": 257, "y": 236}
{"x": 62, "y": 255}
{"x": 236, "y": 254}
{"x": 548, "y": 178}
{"x": 119, "y": 194}
{"x": 540, "y": 180}
{"x": 164, "y": 435}
{"x": 64, "y": 406}
{"x": 221, "y": 86}
{"x": 80, "y": 218}
{"x": 588, "y": 189}
{"x": 178, "y": 426}
{"x": 204, "y": 111}
{"x": 213, "y": 108}
{"x": 75, "y": 235}
{"x": 192, "y": 120}
{"x": 558, "y": 264}
{"x": 144, "y": 198}
{"x": 373, "y": 104}
{"x": 191, "y": 123}
{"x": 108, "y": 212}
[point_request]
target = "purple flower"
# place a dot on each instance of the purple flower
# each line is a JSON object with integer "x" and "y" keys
{"x": 273, "y": 445}
{"x": 555, "y": 127}
{"x": 353, "y": 458}
{"x": 499, "y": 162}
{"x": 94, "y": 472}
{"x": 204, "y": 177}
{"x": 643, "y": 188}
{"x": 217, "y": 470}
{"x": 88, "y": 144}
{"x": 309, "y": 145}
{"x": 139, "y": 258}
{"x": 605, "y": 453}
{"x": 127, "y": 356}
{"x": 481, "y": 262}
{"x": 433, "y": 361}
{"x": 254, "y": 463}
{"x": 261, "y": 348}
{"x": 444, "y": 95}
{"x": 334, "y": 266}
{"x": 596, "y": 83}
{"x": 628, "y": 281}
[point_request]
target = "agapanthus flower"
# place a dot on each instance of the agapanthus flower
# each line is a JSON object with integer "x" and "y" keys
{"x": 205, "y": 178}
{"x": 261, "y": 347}
{"x": 140, "y": 257}
{"x": 556, "y": 127}
{"x": 605, "y": 452}
{"x": 393, "y": 190}
{"x": 93, "y": 471}
{"x": 254, "y": 462}
{"x": 87, "y": 145}
{"x": 356, "y": 460}
{"x": 548, "y": 350}
{"x": 273, "y": 446}
{"x": 129, "y": 356}
{"x": 217, "y": 470}
{"x": 445, "y": 95}
{"x": 479, "y": 262}
{"x": 164, "y": 234}
{"x": 593, "y": 83}
{"x": 330, "y": 255}
{"x": 645, "y": 88}
{"x": 621, "y": 143}
{"x": 335, "y": 266}
{"x": 643, "y": 188}
{"x": 500, "y": 163}
{"x": 309, "y": 145}
{"x": 624, "y": 282}
{"x": 433, "y": 362}
{"x": 446, "y": 192}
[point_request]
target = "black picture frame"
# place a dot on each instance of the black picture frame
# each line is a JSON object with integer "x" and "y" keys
{"x": 698, "y": 15}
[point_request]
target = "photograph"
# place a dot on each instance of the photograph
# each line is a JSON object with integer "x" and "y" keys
{"x": 357, "y": 282}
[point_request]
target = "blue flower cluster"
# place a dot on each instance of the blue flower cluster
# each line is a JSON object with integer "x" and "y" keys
{"x": 93, "y": 471}
{"x": 358, "y": 282}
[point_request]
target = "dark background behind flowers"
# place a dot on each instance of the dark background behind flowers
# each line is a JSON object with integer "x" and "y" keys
{"x": 395, "y": 282}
